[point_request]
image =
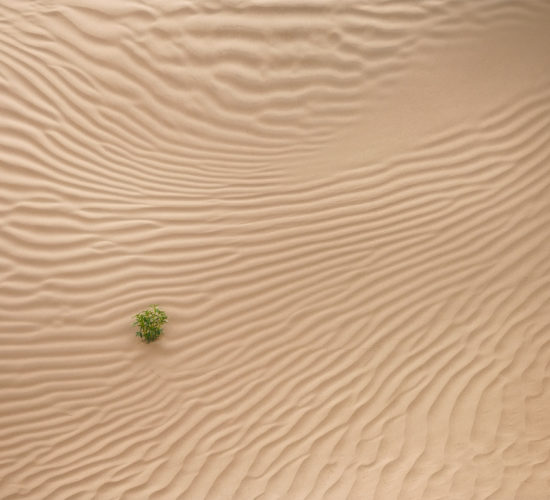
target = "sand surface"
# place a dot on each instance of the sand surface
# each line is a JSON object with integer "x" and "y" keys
{"x": 344, "y": 208}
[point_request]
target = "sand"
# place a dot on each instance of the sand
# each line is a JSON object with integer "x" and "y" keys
{"x": 344, "y": 208}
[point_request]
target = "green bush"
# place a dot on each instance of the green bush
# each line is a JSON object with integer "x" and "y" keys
{"x": 150, "y": 323}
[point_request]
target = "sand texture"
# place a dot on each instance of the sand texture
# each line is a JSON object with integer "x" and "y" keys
{"x": 342, "y": 205}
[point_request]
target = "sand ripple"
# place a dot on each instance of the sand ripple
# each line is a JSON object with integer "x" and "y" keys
{"x": 344, "y": 207}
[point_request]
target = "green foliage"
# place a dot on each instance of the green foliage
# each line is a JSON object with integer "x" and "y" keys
{"x": 150, "y": 323}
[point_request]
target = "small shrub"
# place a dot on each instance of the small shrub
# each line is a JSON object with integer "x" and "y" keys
{"x": 150, "y": 323}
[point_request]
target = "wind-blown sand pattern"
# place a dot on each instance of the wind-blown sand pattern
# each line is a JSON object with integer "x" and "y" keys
{"x": 344, "y": 208}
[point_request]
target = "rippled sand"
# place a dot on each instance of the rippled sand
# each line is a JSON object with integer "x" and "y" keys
{"x": 344, "y": 208}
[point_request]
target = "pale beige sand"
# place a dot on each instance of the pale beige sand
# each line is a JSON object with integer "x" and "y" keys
{"x": 344, "y": 207}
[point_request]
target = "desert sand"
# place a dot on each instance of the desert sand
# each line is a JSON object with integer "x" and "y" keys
{"x": 344, "y": 209}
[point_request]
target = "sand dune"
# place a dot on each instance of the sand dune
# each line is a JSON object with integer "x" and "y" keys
{"x": 344, "y": 208}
